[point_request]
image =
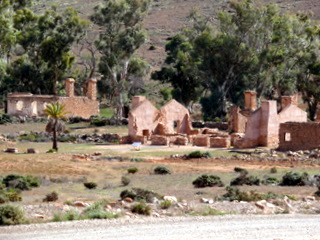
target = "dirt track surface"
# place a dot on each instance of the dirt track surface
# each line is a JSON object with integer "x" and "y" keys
{"x": 218, "y": 227}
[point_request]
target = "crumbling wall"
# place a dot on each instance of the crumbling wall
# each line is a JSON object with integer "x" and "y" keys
{"x": 27, "y": 104}
{"x": 80, "y": 106}
{"x": 237, "y": 121}
{"x": 299, "y": 136}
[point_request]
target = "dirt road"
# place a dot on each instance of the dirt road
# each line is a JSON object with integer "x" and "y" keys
{"x": 218, "y": 227}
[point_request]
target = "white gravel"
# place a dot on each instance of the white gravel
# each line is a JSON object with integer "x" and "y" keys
{"x": 246, "y": 227}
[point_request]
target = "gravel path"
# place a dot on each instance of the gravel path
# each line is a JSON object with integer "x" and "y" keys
{"x": 253, "y": 227}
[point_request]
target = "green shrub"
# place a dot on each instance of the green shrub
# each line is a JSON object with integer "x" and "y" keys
{"x": 67, "y": 138}
{"x": 152, "y": 47}
{"x": 51, "y": 197}
{"x": 273, "y": 170}
{"x": 161, "y": 170}
{"x": 140, "y": 194}
{"x": 195, "y": 154}
{"x": 243, "y": 179}
{"x": 70, "y": 215}
{"x": 90, "y": 185}
{"x": 295, "y": 179}
{"x": 141, "y": 208}
{"x": 270, "y": 180}
{"x": 13, "y": 195}
{"x": 132, "y": 170}
{"x": 136, "y": 160}
{"x": 125, "y": 181}
{"x": 165, "y": 204}
{"x": 4, "y": 118}
{"x": 207, "y": 181}
{"x": 99, "y": 122}
{"x": 234, "y": 194}
{"x": 11, "y": 215}
{"x": 21, "y": 182}
{"x": 199, "y": 154}
{"x": 52, "y": 150}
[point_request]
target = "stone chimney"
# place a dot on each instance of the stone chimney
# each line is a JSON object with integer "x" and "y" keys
{"x": 250, "y": 100}
{"x": 70, "y": 87}
{"x": 136, "y": 101}
{"x": 287, "y": 100}
{"x": 92, "y": 89}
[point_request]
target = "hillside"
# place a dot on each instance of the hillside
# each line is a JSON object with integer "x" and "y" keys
{"x": 167, "y": 17}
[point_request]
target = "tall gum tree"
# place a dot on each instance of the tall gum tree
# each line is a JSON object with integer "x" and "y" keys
{"x": 121, "y": 34}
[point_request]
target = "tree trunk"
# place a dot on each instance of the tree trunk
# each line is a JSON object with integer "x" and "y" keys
{"x": 312, "y": 107}
{"x": 55, "y": 140}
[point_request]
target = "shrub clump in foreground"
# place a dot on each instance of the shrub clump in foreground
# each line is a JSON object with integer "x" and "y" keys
{"x": 141, "y": 208}
{"x": 234, "y": 194}
{"x": 162, "y": 170}
{"x": 208, "y": 181}
{"x": 244, "y": 179}
{"x": 51, "y": 197}
{"x": 11, "y": 215}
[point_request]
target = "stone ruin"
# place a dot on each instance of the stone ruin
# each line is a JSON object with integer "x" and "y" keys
{"x": 169, "y": 125}
{"x": 252, "y": 126}
{"x": 27, "y": 104}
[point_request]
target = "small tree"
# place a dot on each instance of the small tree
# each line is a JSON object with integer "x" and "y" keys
{"x": 56, "y": 112}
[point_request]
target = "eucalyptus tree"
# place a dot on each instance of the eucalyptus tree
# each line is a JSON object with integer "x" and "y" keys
{"x": 121, "y": 34}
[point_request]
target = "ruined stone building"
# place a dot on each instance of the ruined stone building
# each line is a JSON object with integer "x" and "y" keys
{"x": 27, "y": 104}
{"x": 169, "y": 125}
{"x": 254, "y": 126}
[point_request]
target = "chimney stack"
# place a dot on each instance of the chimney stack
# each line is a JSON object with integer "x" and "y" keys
{"x": 250, "y": 100}
{"x": 70, "y": 87}
{"x": 92, "y": 89}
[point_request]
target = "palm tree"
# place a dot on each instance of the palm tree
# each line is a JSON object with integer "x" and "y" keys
{"x": 56, "y": 112}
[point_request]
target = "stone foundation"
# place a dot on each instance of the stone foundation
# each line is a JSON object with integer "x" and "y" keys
{"x": 160, "y": 140}
{"x": 201, "y": 140}
{"x": 219, "y": 142}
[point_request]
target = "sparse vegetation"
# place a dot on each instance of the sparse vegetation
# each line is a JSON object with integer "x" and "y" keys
{"x": 273, "y": 170}
{"x": 235, "y": 194}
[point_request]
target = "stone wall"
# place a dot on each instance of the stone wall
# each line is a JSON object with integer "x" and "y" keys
{"x": 299, "y": 136}
{"x": 201, "y": 140}
{"x": 220, "y": 142}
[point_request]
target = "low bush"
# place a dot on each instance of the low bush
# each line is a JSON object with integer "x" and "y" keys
{"x": 51, "y": 197}
{"x": 139, "y": 194}
{"x": 270, "y": 180}
{"x": 141, "y": 208}
{"x": 136, "y": 160}
{"x": 4, "y": 118}
{"x": 295, "y": 179}
{"x": 125, "y": 181}
{"x": 12, "y": 195}
{"x": 11, "y": 215}
{"x": 161, "y": 170}
{"x": 165, "y": 204}
{"x": 99, "y": 122}
{"x": 90, "y": 185}
{"x": 132, "y": 170}
{"x": 21, "y": 182}
{"x": 243, "y": 179}
{"x": 234, "y": 194}
{"x": 199, "y": 154}
{"x": 152, "y": 47}
{"x": 96, "y": 211}
{"x": 207, "y": 181}
{"x": 70, "y": 215}
{"x": 273, "y": 170}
